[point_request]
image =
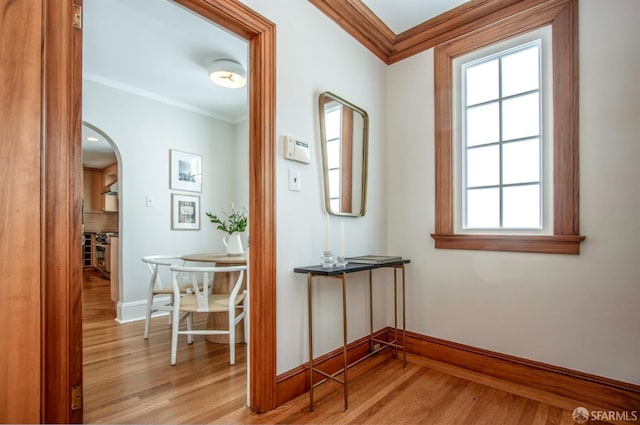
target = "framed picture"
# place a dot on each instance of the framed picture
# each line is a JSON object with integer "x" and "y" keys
{"x": 186, "y": 171}
{"x": 185, "y": 212}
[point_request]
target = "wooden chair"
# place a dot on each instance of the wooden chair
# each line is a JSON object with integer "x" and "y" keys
{"x": 155, "y": 288}
{"x": 202, "y": 300}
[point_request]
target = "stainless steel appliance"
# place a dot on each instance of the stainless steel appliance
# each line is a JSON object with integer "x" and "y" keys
{"x": 103, "y": 253}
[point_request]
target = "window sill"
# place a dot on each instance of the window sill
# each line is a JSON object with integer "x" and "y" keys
{"x": 556, "y": 244}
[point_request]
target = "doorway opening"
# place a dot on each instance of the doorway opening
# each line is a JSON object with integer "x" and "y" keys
{"x": 101, "y": 210}
{"x": 154, "y": 109}
{"x": 61, "y": 313}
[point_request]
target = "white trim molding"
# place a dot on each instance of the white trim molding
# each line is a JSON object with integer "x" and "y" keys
{"x": 133, "y": 311}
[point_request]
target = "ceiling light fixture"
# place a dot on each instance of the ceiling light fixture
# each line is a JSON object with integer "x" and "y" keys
{"x": 93, "y": 139}
{"x": 227, "y": 73}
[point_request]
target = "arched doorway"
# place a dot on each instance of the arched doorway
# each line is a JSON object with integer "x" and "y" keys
{"x": 101, "y": 158}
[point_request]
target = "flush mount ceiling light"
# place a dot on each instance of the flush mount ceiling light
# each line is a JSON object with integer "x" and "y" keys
{"x": 227, "y": 73}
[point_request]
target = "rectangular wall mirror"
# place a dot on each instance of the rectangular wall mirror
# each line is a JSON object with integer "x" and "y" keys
{"x": 344, "y": 131}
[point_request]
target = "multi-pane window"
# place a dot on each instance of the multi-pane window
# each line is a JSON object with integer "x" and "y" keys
{"x": 554, "y": 226}
{"x": 333, "y": 123}
{"x": 502, "y": 161}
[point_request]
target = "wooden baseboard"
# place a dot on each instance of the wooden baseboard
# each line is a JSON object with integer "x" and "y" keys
{"x": 295, "y": 382}
{"x": 607, "y": 394}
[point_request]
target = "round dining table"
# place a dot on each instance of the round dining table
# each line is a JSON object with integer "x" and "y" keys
{"x": 222, "y": 284}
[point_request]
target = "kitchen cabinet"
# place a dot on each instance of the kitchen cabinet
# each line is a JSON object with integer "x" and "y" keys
{"x": 109, "y": 177}
{"x": 93, "y": 183}
{"x": 91, "y": 189}
{"x": 110, "y": 174}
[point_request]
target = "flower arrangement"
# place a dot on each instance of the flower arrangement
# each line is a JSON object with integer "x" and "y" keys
{"x": 230, "y": 223}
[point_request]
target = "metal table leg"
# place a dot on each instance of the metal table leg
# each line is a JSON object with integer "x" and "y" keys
{"x": 344, "y": 339}
{"x": 309, "y": 299}
{"x": 371, "y": 343}
{"x": 393, "y": 344}
{"x": 404, "y": 322}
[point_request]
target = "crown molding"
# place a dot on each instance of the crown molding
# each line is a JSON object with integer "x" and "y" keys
{"x": 160, "y": 98}
{"x": 361, "y": 23}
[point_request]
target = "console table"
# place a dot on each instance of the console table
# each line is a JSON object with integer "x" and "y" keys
{"x": 341, "y": 274}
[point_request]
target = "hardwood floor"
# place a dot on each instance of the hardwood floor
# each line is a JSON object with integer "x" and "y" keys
{"x": 381, "y": 392}
{"x": 129, "y": 380}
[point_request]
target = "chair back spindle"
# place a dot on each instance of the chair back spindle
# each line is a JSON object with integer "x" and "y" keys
{"x": 202, "y": 299}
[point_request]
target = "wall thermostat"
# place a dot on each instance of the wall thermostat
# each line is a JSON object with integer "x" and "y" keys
{"x": 296, "y": 150}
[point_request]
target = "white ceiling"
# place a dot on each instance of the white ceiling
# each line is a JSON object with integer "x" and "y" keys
{"x": 158, "y": 49}
{"x": 400, "y": 15}
{"x": 96, "y": 153}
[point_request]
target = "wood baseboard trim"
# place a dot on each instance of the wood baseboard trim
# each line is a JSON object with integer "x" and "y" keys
{"x": 606, "y": 393}
{"x": 295, "y": 382}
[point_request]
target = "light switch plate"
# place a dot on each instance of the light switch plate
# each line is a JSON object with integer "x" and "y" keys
{"x": 294, "y": 180}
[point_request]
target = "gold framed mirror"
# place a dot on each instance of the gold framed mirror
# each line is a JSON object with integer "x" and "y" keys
{"x": 344, "y": 134}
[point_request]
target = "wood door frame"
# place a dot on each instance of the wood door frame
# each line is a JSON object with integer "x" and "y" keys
{"x": 21, "y": 33}
{"x": 61, "y": 349}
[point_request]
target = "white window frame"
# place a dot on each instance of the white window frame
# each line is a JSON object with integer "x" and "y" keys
{"x": 546, "y": 131}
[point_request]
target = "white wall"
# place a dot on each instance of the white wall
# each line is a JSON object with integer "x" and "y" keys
{"x": 315, "y": 55}
{"x": 242, "y": 170}
{"x": 579, "y": 312}
{"x": 144, "y": 131}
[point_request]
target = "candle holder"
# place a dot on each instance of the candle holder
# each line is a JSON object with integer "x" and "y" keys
{"x": 327, "y": 260}
{"x": 341, "y": 262}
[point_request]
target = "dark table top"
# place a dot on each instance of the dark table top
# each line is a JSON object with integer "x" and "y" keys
{"x": 349, "y": 268}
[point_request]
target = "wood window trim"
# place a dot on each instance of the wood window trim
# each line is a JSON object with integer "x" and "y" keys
{"x": 562, "y": 15}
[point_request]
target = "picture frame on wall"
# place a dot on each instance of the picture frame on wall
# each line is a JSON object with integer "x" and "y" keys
{"x": 186, "y": 171}
{"x": 185, "y": 212}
